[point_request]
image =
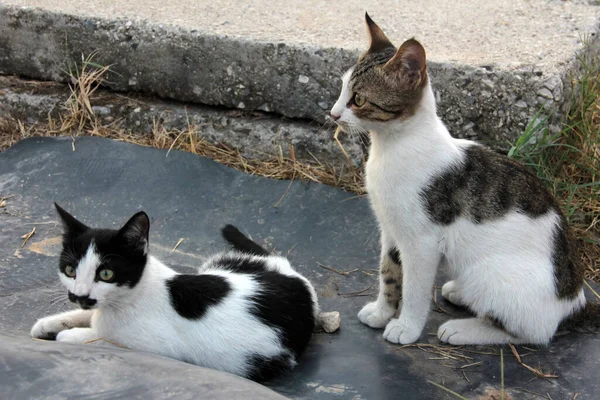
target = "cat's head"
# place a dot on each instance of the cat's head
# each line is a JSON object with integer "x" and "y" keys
{"x": 384, "y": 87}
{"x": 100, "y": 266}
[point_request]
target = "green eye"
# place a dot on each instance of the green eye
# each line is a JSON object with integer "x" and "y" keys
{"x": 106, "y": 274}
{"x": 359, "y": 100}
{"x": 70, "y": 271}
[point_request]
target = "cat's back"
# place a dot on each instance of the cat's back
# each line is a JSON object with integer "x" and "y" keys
{"x": 484, "y": 186}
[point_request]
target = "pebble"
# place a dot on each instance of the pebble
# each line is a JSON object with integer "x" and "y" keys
{"x": 328, "y": 321}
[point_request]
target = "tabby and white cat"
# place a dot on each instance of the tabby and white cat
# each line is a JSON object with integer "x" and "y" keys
{"x": 246, "y": 312}
{"x": 451, "y": 202}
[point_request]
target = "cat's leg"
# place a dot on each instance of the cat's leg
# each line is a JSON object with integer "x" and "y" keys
{"x": 420, "y": 260}
{"x": 49, "y": 327}
{"x": 378, "y": 313}
{"x": 77, "y": 335}
{"x": 453, "y": 293}
{"x": 474, "y": 331}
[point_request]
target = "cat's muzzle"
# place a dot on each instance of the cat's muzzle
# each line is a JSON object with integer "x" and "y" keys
{"x": 84, "y": 301}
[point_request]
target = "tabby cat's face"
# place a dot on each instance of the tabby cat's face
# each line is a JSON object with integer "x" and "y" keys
{"x": 384, "y": 86}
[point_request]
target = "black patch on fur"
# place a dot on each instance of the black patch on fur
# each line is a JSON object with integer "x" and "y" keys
{"x": 127, "y": 263}
{"x": 265, "y": 368}
{"x": 485, "y": 187}
{"x": 284, "y": 302}
{"x": 241, "y": 242}
{"x": 192, "y": 295}
{"x": 84, "y": 302}
{"x": 568, "y": 269}
{"x": 394, "y": 255}
{"x": 390, "y": 281}
{"x": 244, "y": 264}
{"x": 117, "y": 252}
{"x": 586, "y": 320}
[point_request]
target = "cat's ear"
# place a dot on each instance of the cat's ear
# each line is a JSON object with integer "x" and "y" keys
{"x": 378, "y": 39}
{"x": 71, "y": 225}
{"x": 410, "y": 62}
{"x": 136, "y": 231}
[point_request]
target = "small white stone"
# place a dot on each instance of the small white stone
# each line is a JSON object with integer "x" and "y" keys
{"x": 241, "y": 105}
{"x": 488, "y": 83}
{"x": 137, "y": 110}
{"x": 265, "y": 107}
{"x": 303, "y": 79}
{"x": 197, "y": 90}
{"x": 230, "y": 70}
{"x": 521, "y": 104}
{"x": 553, "y": 82}
{"x": 545, "y": 93}
{"x": 329, "y": 321}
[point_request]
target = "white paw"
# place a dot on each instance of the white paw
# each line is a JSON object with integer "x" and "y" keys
{"x": 401, "y": 332}
{"x": 48, "y": 328}
{"x": 375, "y": 316}
{"x": 457, "y": 332}
{"x": 451, "y": 292}
{"x": 74, "y": 335}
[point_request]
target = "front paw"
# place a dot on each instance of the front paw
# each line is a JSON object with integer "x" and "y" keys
{"x": 75, "y": 335}
{"x": 401, "y": 332}
{"x": 375, "y": 316}
{"x": 47, "y": 328}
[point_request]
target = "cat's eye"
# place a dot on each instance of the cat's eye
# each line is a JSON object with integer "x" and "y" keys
{"x": 70, "y": 271}
{"x": 359, "y": 100}
{"x": 106, "y": 274}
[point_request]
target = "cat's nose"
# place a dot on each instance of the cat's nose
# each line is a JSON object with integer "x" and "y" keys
{"x": 335, "y": 116}
{"x": 84, "y": 301}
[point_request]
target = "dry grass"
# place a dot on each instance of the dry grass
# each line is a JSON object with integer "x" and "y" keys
{"x": 278, "y": 166}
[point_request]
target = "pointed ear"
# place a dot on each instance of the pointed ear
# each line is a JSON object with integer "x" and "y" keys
{"x": 378, "y": 39}
{"x": 70, "y": 224}
{"x": 136, "y": 231}
{"x": 409, "y": 61}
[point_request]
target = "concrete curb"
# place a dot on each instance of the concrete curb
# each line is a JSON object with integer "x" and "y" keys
{"x": 257, "y": 135}
{"x": 481, "y": 103}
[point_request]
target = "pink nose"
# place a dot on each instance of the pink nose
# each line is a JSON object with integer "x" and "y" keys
{"x": 335, "y": 117}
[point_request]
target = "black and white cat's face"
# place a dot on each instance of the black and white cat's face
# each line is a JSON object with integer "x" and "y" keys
{"x": 101, "y": 266}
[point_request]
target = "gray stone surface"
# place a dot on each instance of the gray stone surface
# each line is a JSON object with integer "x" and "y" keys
{"x": 493, "y": 66}
{"x": 256, "y": 135}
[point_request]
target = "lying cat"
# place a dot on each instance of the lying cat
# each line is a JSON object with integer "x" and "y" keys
{"x": 245, "y": 312}
{"x": 440, "y": 200}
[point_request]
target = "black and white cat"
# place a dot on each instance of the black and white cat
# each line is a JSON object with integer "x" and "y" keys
{"x": 246, "y": 312}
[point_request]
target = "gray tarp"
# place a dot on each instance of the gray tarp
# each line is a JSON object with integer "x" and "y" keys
{"x": 104, "y": 182}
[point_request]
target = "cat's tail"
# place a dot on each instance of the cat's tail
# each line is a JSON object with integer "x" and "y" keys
{"x": 240, "y": 242}
{"x": 584, "y": 320}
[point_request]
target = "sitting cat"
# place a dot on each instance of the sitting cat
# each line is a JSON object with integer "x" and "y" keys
{"x": 246, "y": 312}
{"x": 452, "y": 202}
